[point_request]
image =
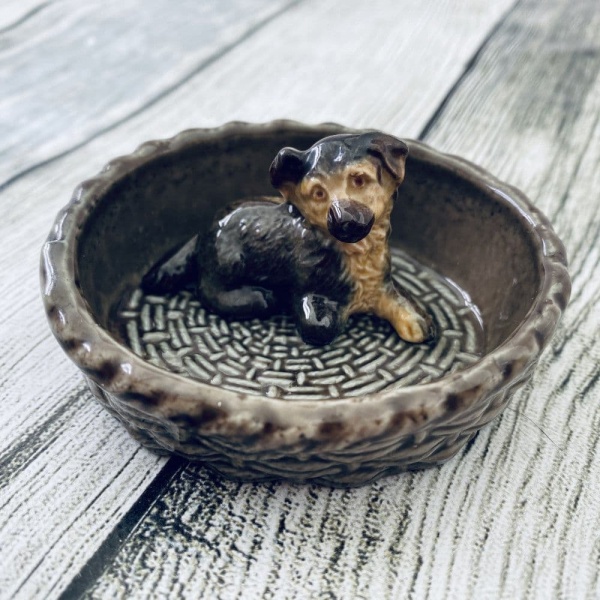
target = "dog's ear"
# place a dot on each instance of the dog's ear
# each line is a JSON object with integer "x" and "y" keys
{"x": 391, "y": 151}
{"x": 288, "y": 167}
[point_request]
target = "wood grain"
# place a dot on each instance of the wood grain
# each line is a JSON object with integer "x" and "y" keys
{"x": 14, "y": 13}
{"x": 74, "y": 69}
{"x": 516, "y": 515}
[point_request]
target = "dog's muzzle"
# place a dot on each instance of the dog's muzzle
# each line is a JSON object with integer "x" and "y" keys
{"x": 349, "y": 221}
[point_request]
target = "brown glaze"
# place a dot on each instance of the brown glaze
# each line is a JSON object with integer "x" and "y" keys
{"x": 474, "y": 229}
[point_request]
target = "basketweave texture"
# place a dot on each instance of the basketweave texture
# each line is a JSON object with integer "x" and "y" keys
{"x": 340, "y": 466}
{"x": 267, "y": 355}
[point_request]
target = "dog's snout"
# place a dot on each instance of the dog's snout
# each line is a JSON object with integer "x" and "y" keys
{"x": 349, "y": 221}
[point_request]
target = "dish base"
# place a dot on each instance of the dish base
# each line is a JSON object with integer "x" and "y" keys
{"x": 267, "y": 357}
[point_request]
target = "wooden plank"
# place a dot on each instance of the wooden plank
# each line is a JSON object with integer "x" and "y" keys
{"x": 14, "y": 13}
{"x": 517, "y": 514}
{"x": 189, "y": 36}
{"x": 306, "y": 67}
{"x": 546, "y": 141}
{"x": 58, "y": 492}
{"x": 72, "y": 100}
{"x": 74, "y": 69}
{"x": 41, "y": 490}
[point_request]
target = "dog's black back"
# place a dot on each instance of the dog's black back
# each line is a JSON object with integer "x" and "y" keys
{"x": 260, "y": 243}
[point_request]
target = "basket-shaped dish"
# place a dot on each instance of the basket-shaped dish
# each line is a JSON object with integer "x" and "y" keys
{"x": 452, "y": 217}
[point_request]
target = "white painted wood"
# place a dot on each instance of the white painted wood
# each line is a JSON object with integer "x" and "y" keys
{"x": 355, "y": 65}
{"x": 76, "y": 68}
{"x": 470, "y": 529}
{"x": 14, "y": 13}
{"x": 82, "y": 69}
{"x": 50, "y": 515}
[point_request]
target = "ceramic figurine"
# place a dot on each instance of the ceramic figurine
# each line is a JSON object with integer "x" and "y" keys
{"x": 320, "y": 251}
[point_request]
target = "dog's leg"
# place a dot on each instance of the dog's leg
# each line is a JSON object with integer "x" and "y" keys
{"x": 244, "y": 302}
{"x": 318, "y": 319}
{"x": 409, "y": 320}
{"x": 176, "y": 271}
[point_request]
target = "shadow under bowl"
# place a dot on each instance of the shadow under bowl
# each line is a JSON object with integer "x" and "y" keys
{"x": 452, "y": 217}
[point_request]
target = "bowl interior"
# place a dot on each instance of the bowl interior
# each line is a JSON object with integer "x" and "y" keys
{"x": 446, "y": 218}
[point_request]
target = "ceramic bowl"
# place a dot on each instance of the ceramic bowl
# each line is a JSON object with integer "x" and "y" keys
{"x": 371, "y": 419}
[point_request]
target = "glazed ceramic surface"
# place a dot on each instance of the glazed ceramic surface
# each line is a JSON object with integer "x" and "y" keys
{"x": 320, "y": 251}
{"x": 160, "y": 364}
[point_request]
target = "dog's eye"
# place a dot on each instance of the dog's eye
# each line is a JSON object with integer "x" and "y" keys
{"x": 318, "y": 193}
{"x": 358, "y": 181}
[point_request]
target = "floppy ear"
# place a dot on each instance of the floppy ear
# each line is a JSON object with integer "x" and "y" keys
{"x": 288, "y": 167}
{"x": 391, "y": 151}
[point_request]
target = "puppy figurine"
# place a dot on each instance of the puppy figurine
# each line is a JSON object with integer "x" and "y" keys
{"x": 320, "y": 251}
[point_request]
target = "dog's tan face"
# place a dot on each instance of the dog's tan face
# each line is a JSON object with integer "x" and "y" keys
{"x": 348, "y": 202}
{"x": 344, "y": 184}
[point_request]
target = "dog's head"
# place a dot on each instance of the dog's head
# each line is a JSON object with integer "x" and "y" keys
{"x": 344, "y": 183}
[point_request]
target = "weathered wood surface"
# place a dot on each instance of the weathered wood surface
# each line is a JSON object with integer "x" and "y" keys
{"x": 14, "y": 13}
{"x": 72, "y": 70}
{"x": 515, "y": 515}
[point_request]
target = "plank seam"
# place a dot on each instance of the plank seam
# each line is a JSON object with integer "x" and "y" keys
{"x": 112, "y": 544}
{"x": 17, "y": 457}
{"x": 60, "y": 536}
{"x": 469, "y": 67}
{"x": 207, "y": 62}
{"x": 28, "y": 15}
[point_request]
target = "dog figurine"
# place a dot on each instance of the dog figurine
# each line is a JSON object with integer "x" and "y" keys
{"x": 321, "y": 250}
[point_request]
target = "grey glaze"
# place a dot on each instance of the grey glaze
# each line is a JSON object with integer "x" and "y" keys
{"x": 451, "y": 216}
{"x": 176, "y": 332}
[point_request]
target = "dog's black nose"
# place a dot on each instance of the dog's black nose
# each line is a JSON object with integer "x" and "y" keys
{"x": 349, "y": 221}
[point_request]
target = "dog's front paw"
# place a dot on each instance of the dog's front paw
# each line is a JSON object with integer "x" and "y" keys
{"x": 317, "y": 318}
{"x": 416, "y": 328}
{"x": 410, "y": 320}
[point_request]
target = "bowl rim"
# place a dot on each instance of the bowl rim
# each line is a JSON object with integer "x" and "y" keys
{"x": 118, "y": 370}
